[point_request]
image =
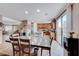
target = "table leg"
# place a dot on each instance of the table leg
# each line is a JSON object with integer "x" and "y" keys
{"x": 41, "y": 51}
{"x": 49, "y": 52}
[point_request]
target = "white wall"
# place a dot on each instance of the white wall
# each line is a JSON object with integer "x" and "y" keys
{"x": 76, "y": 19}
{"x": 68, "y": 26}
{"x": 0, "y": 30}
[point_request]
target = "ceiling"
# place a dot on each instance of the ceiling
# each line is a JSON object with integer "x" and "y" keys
{"x": 16, "y": 11}
{"x": 9, "y": 21}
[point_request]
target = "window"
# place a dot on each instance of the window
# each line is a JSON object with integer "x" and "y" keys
{"x": 64, "y": 25}
{"x": 58, "y": 30}
{"x": 61, "y": 28}
{"x": 64, "y": 28}
{"x": 10, "y": 28}
{"x": 14, "y": 27}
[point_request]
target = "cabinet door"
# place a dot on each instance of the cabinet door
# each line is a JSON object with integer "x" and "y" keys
{"x": 73, "y": 47}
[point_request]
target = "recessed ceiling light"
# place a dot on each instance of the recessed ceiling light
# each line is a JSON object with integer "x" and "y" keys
{"x": 38, "y": 10}
{"x": 26, "y": 12}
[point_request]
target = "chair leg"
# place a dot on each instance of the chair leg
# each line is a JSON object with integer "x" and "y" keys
{"x": 41, "y": 51}
{"x": 49, "y": 53}
{"x": 35, "y": 51}
{"x": 19, "y": 53}
{"x": 22, "y": 53}
{"x": 13, "y": 53}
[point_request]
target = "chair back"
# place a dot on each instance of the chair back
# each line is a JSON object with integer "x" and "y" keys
{"x": 15, "y": 45}
{"x": 14, "y": 41}
{"x": 25, "y": 42}
{"x": 25, "y": 46}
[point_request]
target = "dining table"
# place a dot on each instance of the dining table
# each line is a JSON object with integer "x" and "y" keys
{"x": 34, "y": 43}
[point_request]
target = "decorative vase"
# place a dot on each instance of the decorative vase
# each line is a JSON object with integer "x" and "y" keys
{"x": 71, "y": 34}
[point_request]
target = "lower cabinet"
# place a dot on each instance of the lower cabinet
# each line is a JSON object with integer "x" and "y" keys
{"x": 72, "y": 45}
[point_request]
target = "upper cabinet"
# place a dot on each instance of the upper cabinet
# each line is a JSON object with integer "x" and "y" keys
{"x": 44, "y": 26}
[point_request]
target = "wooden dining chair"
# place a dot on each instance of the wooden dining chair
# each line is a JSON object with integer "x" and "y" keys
{"x": 26, "y": 48}
{"x": 47, "y": 48}
{"x": 15, "y": 46}
{"x": 35, "y": 52}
